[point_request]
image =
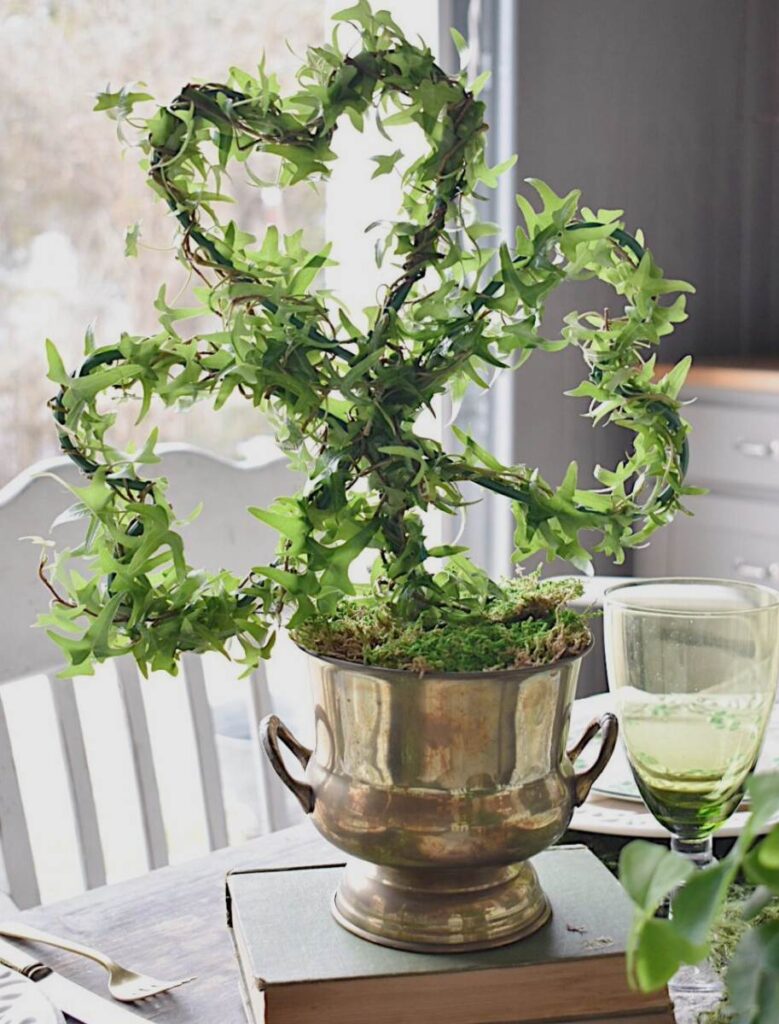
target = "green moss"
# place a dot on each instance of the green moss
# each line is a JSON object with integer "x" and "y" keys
{"x": 526, "y": 622}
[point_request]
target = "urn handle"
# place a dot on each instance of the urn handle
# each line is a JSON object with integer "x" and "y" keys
{"x": 582, "y": 784}
{"x": 273, "y": 730}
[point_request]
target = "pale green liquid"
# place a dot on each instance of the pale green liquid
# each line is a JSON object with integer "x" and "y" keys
{"x": 692, "y": 753}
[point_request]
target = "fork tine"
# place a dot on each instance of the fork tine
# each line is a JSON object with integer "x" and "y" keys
{"x": 166, "y": 985}
{"x": 159, "y": 988}
{"x": 143, "y": 987}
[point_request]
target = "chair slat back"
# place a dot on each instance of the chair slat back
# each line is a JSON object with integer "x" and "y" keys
{"x": 82, "y": 797}
{"x": 155, "y": 840}
{"x": 208, "y": 760}
{"x": 224, "y": 536}
{"x": 271, "y": 795}
{"x": 17, "y": 851}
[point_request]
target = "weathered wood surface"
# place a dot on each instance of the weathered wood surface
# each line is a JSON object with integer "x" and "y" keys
{"x": 172, "y": 923}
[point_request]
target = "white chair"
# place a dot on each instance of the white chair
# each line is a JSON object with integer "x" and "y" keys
{"x": 223, "y": 536}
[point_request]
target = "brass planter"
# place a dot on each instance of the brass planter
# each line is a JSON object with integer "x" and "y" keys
{"x": 440, "y": 787}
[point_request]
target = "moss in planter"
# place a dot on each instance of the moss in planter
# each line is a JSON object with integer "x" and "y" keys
{"x": 526, "y": 622}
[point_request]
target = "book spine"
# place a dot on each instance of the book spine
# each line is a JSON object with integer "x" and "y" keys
{"x": 255, "y": 1014}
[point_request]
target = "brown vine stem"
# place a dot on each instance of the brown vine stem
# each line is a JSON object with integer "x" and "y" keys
{"x": 51, "y": 588}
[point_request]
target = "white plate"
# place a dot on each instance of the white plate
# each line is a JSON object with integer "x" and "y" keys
{"x": 614, "y": 806}
{"x": 22, "y": 1002}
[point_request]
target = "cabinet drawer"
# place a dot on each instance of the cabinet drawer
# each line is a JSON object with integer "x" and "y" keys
{"x": 734, "y": 446}
{"x": 731, "y": 538}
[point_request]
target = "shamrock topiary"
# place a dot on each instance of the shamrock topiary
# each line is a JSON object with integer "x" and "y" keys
{"x": 345, "y": 401}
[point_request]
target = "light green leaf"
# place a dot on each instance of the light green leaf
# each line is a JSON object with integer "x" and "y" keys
{"x": 672, "y": 383}
{"x": 386, "y": 163}
{"x": 131, "y": 237}
{"x": 102, "y": 379}
{"x": 57, "y": 371}
{"x": 459, "y": 40}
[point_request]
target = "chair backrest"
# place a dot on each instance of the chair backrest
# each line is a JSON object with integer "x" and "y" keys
{"x": 224, "y": 535}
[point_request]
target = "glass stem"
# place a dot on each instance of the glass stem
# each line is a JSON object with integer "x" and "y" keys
{"x": 699, "y": 851}
{"x": 698, "y": 987}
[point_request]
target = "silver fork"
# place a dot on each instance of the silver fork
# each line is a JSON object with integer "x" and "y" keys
{"x": 125, "y": 985}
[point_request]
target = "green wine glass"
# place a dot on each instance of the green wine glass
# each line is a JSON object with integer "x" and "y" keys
{"x": 693, "y": 665}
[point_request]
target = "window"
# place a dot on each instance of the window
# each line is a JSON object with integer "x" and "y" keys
{"x": 69, "y": 192}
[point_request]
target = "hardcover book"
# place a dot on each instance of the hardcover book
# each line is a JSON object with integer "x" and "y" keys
{"x": 298, "y": 966}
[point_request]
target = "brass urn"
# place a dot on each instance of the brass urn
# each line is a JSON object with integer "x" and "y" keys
{"x": 440, "y": 788}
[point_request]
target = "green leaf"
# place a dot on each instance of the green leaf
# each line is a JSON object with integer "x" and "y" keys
{"x": 95, "y": 495}
{"x": 100, "y": 629}
{"x": 293, "y": 583}
{"x": 476, "y": 450}
{"x": 753, "y": 977}
{"x": 649, "y": 873}
{"x": 672, "y": 383}
{"x": 385, "y": 164}
{"x": 131, "y": 237}
{"x": 360, "y": 13}
{"x": 561, "y": 208}
{"x": 100, "y": 380}
{"x": 460, "y": 42}
{"x": 511, "y": 278}
{"x": 660, "y": 953}
{"x": 479, "y": 82}
{"x": 568, "y": 486}
{"x": 120, "y": 104}
{"x": 446, "y": 550}
{"x": 288, "y": 523}
{"x": 761, "y": 865}
{"x": 757, "y": 902}
{"x": 489, "y": 175}
{"x": 72, "y": 514}
{"x": 56, "y": 371}
{"x": 763, "y": 792}
{"x": 148, "y": 455}
{"x": 305, "y": 277}
{"x": 404, "y": 451}
{"x": 339, "y": 559}
{"x": 696, "y": 906}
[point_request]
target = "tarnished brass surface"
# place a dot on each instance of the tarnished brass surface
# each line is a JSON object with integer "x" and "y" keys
{"x": 440, "y": 910}
{"x": 440, "y": 786}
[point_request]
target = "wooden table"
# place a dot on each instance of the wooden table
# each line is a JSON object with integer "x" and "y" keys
{"x": 171, "y": 923}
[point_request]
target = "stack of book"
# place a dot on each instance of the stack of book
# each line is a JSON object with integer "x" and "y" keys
{"x": 298, "y": 966}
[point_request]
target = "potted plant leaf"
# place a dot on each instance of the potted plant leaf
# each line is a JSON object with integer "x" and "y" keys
{"x": 442, "y": 697}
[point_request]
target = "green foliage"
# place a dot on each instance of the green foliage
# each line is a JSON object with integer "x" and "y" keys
{"x": 345, "y": 401}
{"x": 523, "y": 622}
{"x": 659, "y": 946}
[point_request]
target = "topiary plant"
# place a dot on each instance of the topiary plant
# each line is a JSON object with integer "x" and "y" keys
{"x": 345, "y": 400}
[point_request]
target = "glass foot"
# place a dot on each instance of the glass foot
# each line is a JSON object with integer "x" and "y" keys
{"x": 698, "y": 978}
{"x": 695, "y": 990}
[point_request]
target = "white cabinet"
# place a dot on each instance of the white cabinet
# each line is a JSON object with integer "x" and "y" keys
{"x": 734, "y": 452}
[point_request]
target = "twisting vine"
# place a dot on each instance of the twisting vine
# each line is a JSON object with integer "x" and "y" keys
{"x": 346, "y": 399}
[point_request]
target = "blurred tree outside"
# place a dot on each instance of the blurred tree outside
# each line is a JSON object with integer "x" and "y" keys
{"x": 69, "y": 191}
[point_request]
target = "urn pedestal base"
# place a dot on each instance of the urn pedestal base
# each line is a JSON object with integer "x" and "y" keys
{"x": 440, "y": 910}
{"x": 463, "y": 775}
